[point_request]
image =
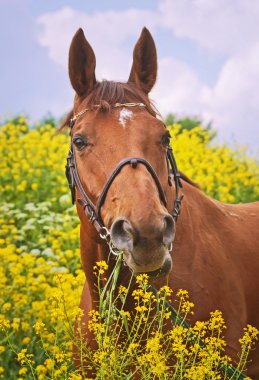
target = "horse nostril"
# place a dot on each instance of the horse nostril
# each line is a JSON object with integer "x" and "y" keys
{"x": 122, "y": 234}
{"x": 169, "y": 230}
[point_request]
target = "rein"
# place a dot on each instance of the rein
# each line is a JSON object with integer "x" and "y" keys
{"x": 93, "y": 211}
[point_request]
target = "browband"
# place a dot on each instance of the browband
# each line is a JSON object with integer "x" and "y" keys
{"x": 116, "y": 105}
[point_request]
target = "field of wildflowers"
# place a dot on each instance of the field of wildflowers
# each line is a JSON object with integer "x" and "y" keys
{"x": 41, "y": 278}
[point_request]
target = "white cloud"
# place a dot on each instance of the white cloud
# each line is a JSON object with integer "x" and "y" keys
{"x": 232, "y": 104}
{"x": 235, "y": 99}
{"x": 229, "y": 29}
{"x": 177, "y": 84}
{"x": 225, "y": 29}
{"x": 107, "y": 32}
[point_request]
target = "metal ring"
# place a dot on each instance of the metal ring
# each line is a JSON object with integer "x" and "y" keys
{"x": 104, "y": 233}
{"x": 114, "y": 250}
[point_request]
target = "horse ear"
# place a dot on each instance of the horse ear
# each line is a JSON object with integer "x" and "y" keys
{"x": 144, "y": 68}
{"x": 81, "y": 64}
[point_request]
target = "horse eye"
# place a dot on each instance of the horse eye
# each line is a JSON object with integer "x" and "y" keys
{"x": 166, "y": 139}
{"x": 79, "y": 142}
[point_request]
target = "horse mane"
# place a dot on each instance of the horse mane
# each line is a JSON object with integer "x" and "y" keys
{"x": 107, "y": 93}
{"x": 188, "y": 180}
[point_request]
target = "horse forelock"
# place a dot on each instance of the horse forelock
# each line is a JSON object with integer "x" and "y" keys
{"x": 116, "y": 92}
{"x": 107, "y": 93}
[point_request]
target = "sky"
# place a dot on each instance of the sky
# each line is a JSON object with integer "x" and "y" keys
{"x": 208, "y": 56}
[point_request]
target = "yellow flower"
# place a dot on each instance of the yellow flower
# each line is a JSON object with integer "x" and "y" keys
{"x": 132, "y": 347}
{"x": 126, "y": 313}
{"x": 22, "y": 186}
{"x": 141, "y": 309}
{"x": 7, "y": 306}
{"x": 250, "y": 336}
{"x": 166, "y": 290}
{"x": 26, "y": 340}
{"x": 102, "y": 264}
{"x": 39, "y": 327}
{"x": 34, "y": 186}
{"x": 16, "y": 324}
{"x": 23, "y": 371}
{"x": 4, "y": 323}
{"x": 182, "y": 293}
{"x": 123, "y": 290}
{"x": 49, "y": 364}
{"x": 142, "y": 278}
{"x": 41, "y": 369}
{"x": 76, "y": 376}
{"x": 21, "y": 356}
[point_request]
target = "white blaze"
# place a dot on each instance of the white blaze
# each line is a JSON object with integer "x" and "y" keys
{"x": 125, "y": 115}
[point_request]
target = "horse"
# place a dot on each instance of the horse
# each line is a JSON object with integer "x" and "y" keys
{"x": 118, "y": 171}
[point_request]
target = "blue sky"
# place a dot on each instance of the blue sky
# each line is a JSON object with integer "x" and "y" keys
{"x": 208, "y": 56}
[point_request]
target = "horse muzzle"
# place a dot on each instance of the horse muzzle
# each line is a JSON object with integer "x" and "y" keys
{"x": 146, "y": 249}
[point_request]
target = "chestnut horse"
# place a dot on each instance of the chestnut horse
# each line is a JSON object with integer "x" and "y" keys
{"x": 216, "y": 247}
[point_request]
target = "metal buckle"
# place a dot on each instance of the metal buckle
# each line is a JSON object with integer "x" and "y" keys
{"x": 104, "y": 233}
{"x": 177, "y": 207}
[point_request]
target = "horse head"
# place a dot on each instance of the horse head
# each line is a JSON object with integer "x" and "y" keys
{"x": 120, "y": 148}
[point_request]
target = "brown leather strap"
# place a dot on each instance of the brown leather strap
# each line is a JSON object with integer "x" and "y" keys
{"x": 133, "y": 161}
{"x": 178, "y": 184}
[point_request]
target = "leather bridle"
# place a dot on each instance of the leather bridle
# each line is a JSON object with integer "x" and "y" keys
{"x": 93, "y": 211}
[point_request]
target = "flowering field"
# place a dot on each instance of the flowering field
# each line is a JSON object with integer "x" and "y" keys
{"x": 40, "y": 274}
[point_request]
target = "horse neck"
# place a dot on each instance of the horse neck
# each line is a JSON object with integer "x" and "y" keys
{"x": 199, "y": 214}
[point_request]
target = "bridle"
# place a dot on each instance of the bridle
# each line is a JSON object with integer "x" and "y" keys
{"x": 93, "y": 211}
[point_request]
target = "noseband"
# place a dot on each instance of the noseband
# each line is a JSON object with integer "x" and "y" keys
{"x": 93, "y": 211}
